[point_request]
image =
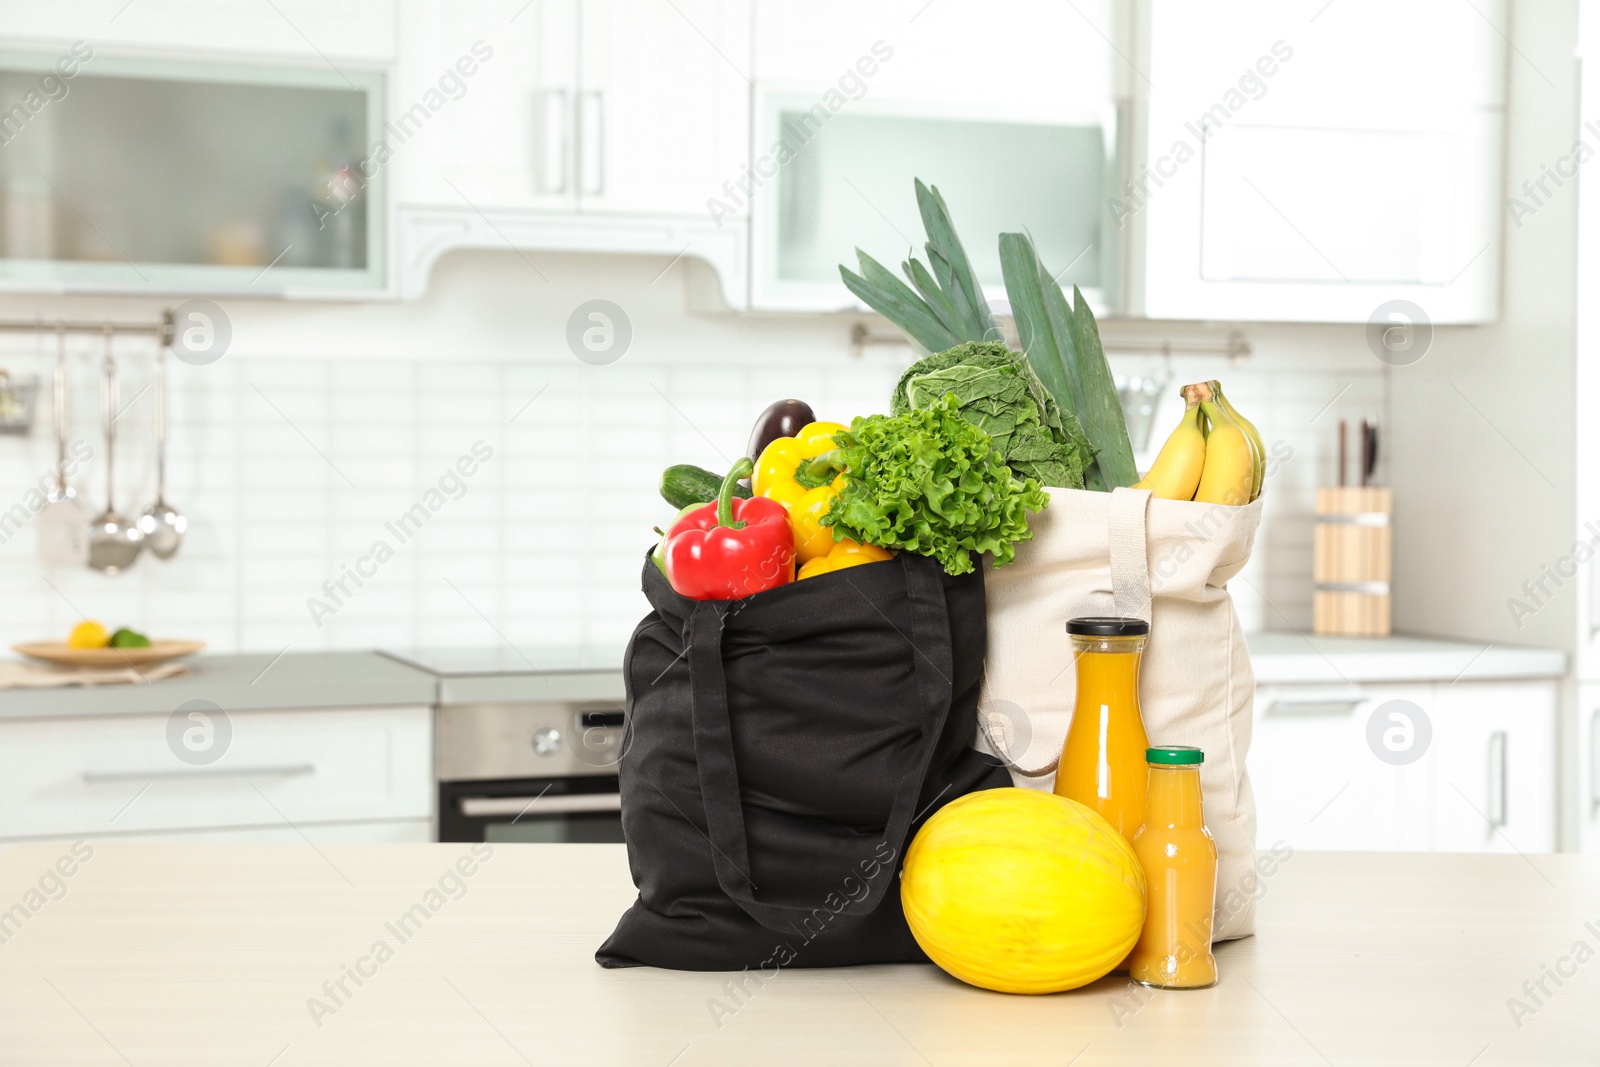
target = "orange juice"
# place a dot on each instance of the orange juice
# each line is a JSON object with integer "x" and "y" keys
{"x": 1180, "y": 867}
{"x": 1103, "y": 758}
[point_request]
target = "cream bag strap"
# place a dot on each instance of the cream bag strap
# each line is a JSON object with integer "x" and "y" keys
{"x": 1130, "y": 598}
{"x": 1130, "y": 559}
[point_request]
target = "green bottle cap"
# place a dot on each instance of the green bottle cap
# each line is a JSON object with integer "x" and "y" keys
{"x": 1174, "y": 755}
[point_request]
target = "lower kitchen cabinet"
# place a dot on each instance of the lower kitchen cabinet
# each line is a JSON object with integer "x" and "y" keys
{"x": 1494, "y": 784}
{"x": 1447, "y": 767}
{"x": 342, "y": 774}
{"x": 1588, "y": 793}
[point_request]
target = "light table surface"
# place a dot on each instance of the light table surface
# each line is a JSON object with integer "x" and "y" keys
{"x": 172, "y": 955}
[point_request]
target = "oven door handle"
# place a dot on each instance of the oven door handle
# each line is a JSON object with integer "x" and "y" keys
{"x": 566, "y": 804}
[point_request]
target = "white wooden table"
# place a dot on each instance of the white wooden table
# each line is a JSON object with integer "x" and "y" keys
{"x": 169, "y": 955}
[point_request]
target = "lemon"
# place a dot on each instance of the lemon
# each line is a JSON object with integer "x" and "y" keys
{"x": 1022, "y": 891}
{"x": 88, "y": 634}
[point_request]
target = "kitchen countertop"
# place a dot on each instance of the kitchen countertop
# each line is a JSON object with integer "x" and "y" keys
{"x": 254, "y": 681}
{"x": 189, "y": 955}
{"x": 243, "y": 682}
{"x": 1280, "y": 658}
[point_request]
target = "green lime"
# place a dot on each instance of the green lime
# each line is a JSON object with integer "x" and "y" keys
{"x": 126, "y": 638}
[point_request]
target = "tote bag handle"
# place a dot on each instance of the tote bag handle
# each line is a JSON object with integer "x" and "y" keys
{"x": 1130, "y": 554}
{"x": 719, "y": 773}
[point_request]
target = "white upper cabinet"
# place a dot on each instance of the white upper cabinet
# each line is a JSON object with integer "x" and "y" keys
{"x": 315, "y": 29}
{"x": 573, "y": 105}
{"x": 573, "y": 125}
{"x": 663, "y": 103}
{"x": 1306, "y": 161}
{"x": 484, "y": 99}
{"x": 1010, "y": 109}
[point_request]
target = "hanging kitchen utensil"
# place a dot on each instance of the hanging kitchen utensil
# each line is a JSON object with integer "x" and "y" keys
{"x": 162, "y": 524}
{"x": 16, "y": 402}
{"x": 114, "y": 542}
{"x": 62, "y": 524}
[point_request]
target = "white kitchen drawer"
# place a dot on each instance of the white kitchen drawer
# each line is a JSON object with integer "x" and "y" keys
{"x": 1318, "y": 783}
{"x": 93, "y": 777}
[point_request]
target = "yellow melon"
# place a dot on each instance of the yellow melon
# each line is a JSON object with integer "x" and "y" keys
{"x": 1022, "y": 892}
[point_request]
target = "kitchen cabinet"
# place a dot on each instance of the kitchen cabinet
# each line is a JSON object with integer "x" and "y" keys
{"x": 662, "y": 104}
{"x": 585, "y": 125}
{"x": 1587, "y": 793}
{"x": 1493, "y": 788}
{"x": 852, "y": 103}
{"x": 1278, "y": 180}
{"x": 1317, "y": 782}
{"x": 504, "y": 72}
{"x": 181, "y": 176}
{"x": 1483, "y": 782}
{"x": 280, "y": 770}
{"x": 299, "y": 29}
{"x": 576, "y": 105}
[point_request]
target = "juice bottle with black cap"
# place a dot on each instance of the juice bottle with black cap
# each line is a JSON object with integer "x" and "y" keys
{"x": 1179, "y": 858}
{"x": 1103, "y": 757}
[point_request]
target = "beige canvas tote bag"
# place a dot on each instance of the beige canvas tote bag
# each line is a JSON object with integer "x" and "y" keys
{"x": 1167, "y": 562}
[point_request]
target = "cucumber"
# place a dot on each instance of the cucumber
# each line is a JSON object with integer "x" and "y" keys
{"x": 683, "y": 484}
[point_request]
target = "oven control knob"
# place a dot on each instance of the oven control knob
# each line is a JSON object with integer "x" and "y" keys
{"x": 547, "y": 742}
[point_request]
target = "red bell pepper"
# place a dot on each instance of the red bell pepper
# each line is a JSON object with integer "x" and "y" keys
{"x": 731, "y": 548}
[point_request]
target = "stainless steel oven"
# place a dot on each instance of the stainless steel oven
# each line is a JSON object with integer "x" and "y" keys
{"x": 529, "y": 771}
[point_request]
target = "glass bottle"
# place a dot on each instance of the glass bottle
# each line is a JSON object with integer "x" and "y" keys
{"x": 1103, "y": 757}
{"x": 1179, "y": 859}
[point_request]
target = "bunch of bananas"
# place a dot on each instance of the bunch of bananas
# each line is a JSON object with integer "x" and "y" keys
{"x": 1215, "y": 455}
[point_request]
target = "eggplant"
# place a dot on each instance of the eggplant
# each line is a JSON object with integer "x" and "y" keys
{"x": 785, "y": 418}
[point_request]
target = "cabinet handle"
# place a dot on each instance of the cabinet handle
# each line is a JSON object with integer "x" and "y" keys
{"x": 592, "y": 141}
{"x": 1496, "y": 792}
{"x": 1594, "y": 602}
{"x": 583, "y": 803}
{"x": 555, "y": 140}
{"x": 287, "y": 770}
{"x": 1594, "y": 759}
{"x": 1314, "y": 706}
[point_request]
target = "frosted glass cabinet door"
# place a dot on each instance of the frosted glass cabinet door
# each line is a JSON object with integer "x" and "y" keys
{"x": 151, "y": 176}
{"x": 846, "y": 180}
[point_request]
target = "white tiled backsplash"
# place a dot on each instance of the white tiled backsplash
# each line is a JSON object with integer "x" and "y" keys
{"x": 302, "y": 457}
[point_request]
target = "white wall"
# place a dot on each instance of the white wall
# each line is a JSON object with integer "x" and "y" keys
{"x": 545, "y": 545}
{"x": 1485, "y": 435}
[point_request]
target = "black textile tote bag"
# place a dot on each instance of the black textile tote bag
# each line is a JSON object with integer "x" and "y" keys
{"x": 781, "y": 751}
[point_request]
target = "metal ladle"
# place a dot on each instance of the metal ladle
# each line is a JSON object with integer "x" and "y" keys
{"x": 114, "y": 542}
{"x": 162, "y": 524}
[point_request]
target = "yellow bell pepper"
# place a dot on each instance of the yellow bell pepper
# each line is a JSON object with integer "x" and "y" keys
{"x": 777, "y": 478}
{"x": 842, "y": 555}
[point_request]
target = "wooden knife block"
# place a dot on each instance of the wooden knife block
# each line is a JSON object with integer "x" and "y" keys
{"x": 1353, "y": 552}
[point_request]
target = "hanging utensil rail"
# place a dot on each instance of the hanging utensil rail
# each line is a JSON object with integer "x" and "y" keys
{"x": 1235, "y": 346}
{"x": 162, "y": 329}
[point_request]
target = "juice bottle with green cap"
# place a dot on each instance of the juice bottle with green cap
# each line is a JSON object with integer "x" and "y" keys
{"x": 1179, "y": 859}
{"x": 1103, "y": 758}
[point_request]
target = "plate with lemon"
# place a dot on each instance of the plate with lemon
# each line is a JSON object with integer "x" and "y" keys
{"x": 92, "y": 645}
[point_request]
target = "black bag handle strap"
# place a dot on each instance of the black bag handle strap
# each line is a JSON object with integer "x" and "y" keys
{"x": 713, "y": 740}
